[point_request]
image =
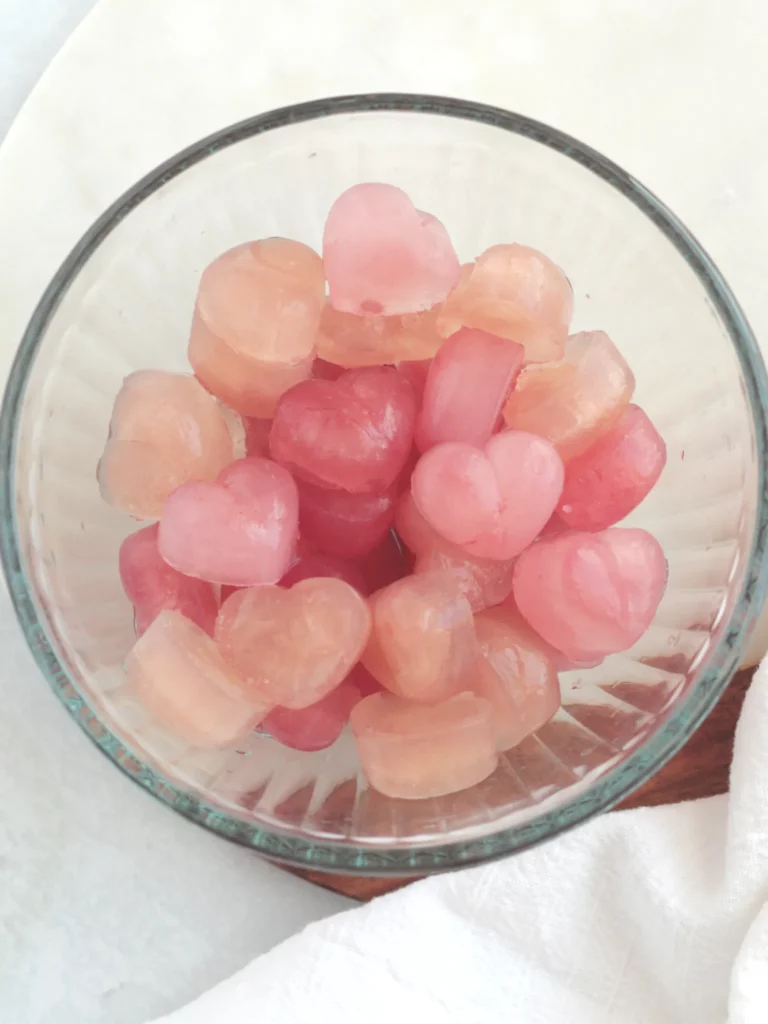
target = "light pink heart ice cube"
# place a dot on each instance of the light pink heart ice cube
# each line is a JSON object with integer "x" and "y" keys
{"x": 239, "y": 530}
{"x": 612, "y": 477}
{"x": 294, "y": 646}
{"x": 517, "y": 293}
{"x": 422, "y": 643}
{"x": 591, "y": 594}
{"x": 494, "y": 500}
{"x": 178, "y": 674}
{"x": 353, "y": 434}
{"x": 384, "y": 257}
{"x": 468, "y": 382}
{"x": 414, "y": 752}
{"x": 516, "y": 675}
{"x": 166, "y": 430}
{"x": 151, "y": 585}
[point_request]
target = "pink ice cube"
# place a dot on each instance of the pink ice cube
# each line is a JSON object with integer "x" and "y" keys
{"x": 468, "y": 382}
{"x": 166, "y": 430}
{"x": 353, "y": 434}
{"x": 176, "y": 671}
{"x": 294, "y": 646}
{"x": 517, "y": 293}
{"x": 317, "y": 726}
{"x": 573, "y": 402}
{"x": 312, "y": 565}
{"x": 257, "y": 437}
{"x": 413, "y": 752}
{"x": 384, "y": 257}
{"x": 612, "y": 477}
{"x": 516, "y": 675}
{"x": 240, "y": 529}
{"x": 151, "y": 585}
{"x": 422, "y": 644}
{"x": 492, "y": 501}
{"x": 256, "y": 317}
{"x": 591, "y": 594}
{"x": 343, "y": 524}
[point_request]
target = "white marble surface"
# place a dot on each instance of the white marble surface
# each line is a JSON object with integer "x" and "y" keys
{"x": 111, "y": 909}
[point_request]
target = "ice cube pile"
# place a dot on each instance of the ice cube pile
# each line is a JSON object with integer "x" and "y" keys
{"x": 420, "y": 533}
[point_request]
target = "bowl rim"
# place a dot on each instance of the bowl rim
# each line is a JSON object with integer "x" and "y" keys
{"x": 351, "y": 857}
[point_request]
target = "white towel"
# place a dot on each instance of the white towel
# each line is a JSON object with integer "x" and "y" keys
{"x": 650, "y": 916}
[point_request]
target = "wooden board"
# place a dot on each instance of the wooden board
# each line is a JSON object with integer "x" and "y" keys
{"x": 699, "y": 769}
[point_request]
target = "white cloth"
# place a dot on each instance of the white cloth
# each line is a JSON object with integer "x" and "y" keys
{"x": 112, "y": 909}
{"x": 650, "y": 916}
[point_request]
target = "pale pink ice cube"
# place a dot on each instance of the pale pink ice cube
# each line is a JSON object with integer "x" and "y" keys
{"x": 350, "y": 340}
{"x": 573, "y": 402}
{"x": 612, "y": 477}
{"x": 412, "y": 528}
{"x": 591, "y": 594}
{"x": 516, "y": 675}
{"x": 317, "y": 726}
{"x": 343, "y": 524}
{"x": 492, "y": 501}
{"x": 468, "y": 382}
{"x": 240, "y": 529}
{"x": 166, "y": 430}
{"x": 413, "y": 752}
{"x": 176, "y": 671}
{"x": 517, "y": 293}
{"x": 151, "y": 585}
{"x": 294, "y": 646}
{"x": 422, "y": 643}
{"x": 256, "y": 317}
{"x": 384, "y": 257}
{"x": 353, "y": 434}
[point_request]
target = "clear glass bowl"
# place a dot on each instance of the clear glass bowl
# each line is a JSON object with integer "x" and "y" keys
{"x": 123, "y": 300}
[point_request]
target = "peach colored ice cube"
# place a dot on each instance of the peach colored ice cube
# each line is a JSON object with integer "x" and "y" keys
{"x": 517, "y": 293}
{"x": 612, "y": 477}
{"x": 317, "y": 726}
{"x": 255, "y": 321}
{"x": 413, "y": 752}
{"x": 574, "y": 401}
{"x": 468, "y": 382}
{"x": 422, "y": 643}
{"x": 240, "y": 529}
{"x": 350, "y": 340}
{"x": 166, "y": 430}
{"x": 176, "y": 671}
{"x": 516, "y": 676}
{"x": 343, "y": 524}
{"x": 483, "y": 581}
{"x": 294, "y": 646}
{"x": 151, "y": 585}
{"x": 591, "y": 594}
{"x": 384, "y": 257}
{"x": 493, "y": 501}
{"x": 353, "y": 434}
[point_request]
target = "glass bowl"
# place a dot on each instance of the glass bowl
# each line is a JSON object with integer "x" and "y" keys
{"x": 123, "y": 300}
